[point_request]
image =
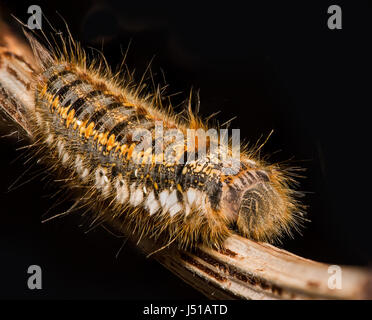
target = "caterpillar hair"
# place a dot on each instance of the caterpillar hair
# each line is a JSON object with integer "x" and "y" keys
{"x": 84, "y": 120}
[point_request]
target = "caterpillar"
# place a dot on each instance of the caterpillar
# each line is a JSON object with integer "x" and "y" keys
{"x": 85, "y": 124}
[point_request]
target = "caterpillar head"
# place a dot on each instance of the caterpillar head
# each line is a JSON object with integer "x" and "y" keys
{"x": 259, "y": 202}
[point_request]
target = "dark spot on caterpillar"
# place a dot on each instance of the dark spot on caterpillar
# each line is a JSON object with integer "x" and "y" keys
{"x": 93, "y": 94}
{"x": 66, "y": 103}
{"x": 178, "y": 174}
{"x": 71, "y": 85}
{"x": 115, "y": 172}
{"x": 55, "y": 77}
{"x": 88, "y": 104}
{"x": 214, "y": 191}
{"x": 114, "y": 105}
{"x": 122, "y": 128}
{"x": 97, "y": 115}
{"x": 63, "y": 90}
{"x": 263, "y": 176}
{"x": 195, "y": 180}
{"x": 228, "y": 180}
{"x": 119, "y": 129}
{"x": 251, "y": 176}
{"x": 179, "y": 196}
{"x": 77, "y": 106}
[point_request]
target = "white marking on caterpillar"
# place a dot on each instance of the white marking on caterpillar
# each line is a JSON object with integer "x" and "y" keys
{"x": 79, "y": 165}
{"x": 65, "y": 157}
{"x": 191, "y": 196}
{"x": 151, "y": 204}
{"x": 136, "y": 195}
{"x": 85, "y": 174}
{"x": 102, "y": 182}
{"x": 187, "y": 209}
{"x": 163, "y": 196}
{"x": 122, "y": 193}
{"x": 252, "y": 163}
{"x": 170, "y": 201}
{"x": 60, "y": 148}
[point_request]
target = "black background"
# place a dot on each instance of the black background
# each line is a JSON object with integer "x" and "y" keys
{"x": 273, "y": 65}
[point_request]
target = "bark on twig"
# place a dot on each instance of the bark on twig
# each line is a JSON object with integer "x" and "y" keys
{"x": 250, "y": 270}
{"x": 244, "y": 269}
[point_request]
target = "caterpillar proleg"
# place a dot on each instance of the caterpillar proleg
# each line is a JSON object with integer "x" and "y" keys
{"x": 86, "y": 125}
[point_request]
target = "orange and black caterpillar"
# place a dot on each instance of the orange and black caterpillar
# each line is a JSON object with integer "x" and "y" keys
{"x": 84, "y": 125}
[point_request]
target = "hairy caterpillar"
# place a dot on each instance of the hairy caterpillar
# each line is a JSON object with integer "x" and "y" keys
{"x": 84, "y": 124}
